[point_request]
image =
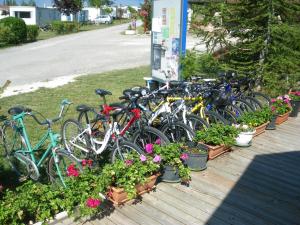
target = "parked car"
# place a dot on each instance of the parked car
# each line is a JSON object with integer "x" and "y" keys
{"x": 103, "y": 19}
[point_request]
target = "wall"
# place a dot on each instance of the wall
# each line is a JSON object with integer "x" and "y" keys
{"x": 46, "y": 15}
{"x": 32, "y": 10}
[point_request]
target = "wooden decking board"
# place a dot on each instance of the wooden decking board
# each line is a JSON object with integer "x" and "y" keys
{"x": 149, "y": 210}
{"x": 256, "y": 185}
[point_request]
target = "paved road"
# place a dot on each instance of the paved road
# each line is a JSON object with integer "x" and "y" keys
{"x": 81, "y": 53}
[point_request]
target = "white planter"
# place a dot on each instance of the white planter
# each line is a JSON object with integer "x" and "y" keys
{"x": 244, "y": 139}
{"x": 130, "y": 32}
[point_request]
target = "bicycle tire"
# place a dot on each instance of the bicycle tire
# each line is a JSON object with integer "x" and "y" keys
{"x": 196, "y": 123}
{"x": 119, "y": 154}
{"x": 11, "y": 145}
{"x": 244, "y": 105}
{"x": 172, "y": 132}
{"x": 214, "y": 117}
{"x": 63, "y": 160}
{"x": 264, "y": 99}
{"x": 256, "y": 105}
{"x": 90, "y": 116}
{"x": 76, "y": 129}
{"x": 147, "y": 132}
{"x": 229, "y": 115}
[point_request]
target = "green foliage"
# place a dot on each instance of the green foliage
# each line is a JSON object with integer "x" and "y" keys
{"x": 295, "y": 96}
{"x": 14, "y": 28}
{"x": 146, "y": 14}
{"x": 217, "y": 134}
{"x": 99, "y": 3}
{"x": 266, "y": 39}
{"x": 32, "y": 32}
{"x": 256, "y": 118}
{"x": 68, "y": 7}
{"x": 65, "y": 27}
{"x": 28, "y": 3}
{"x": 171, "y": 156}
{"x": 194, "y": 64}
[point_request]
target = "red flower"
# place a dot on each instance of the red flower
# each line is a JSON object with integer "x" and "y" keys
{"x": 90, "y": 162}
{"x": 128, "y": 162}
{"x": 184, "y": 156}
{"x": 93, "y": 202}
{"x": 84, "y": 162}
{"x": 72, "y": 171}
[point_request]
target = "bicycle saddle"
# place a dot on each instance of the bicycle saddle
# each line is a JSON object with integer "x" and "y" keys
{"x": 83, "y": 108}
{"x": 17, "y": 110}
{"x": 166, "y": 92}
{"x": 102, "y": 92}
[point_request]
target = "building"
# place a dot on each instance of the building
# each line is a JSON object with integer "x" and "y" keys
{"x": 82, "y": 16}
{"x": 35, "y": 15}
{"x": 4, "y": 11}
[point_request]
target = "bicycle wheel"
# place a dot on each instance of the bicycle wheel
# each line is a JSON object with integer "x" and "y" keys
{"x": 178, "y": 132}
{"x": 230, "y": 114}
{"x": 256, "y": 105}
{"x": 262, "y": 98}
{"x": 214, "y": 117}
{"x": 125, "y": 148}
{"x": 13, "y": 142}
{"x": 62, "y": 165}
{"x": 75, "y": 140}
{"x": 244, "y": 105}
{"x": 196, "y": 123}
{"x": 149, "y": 135}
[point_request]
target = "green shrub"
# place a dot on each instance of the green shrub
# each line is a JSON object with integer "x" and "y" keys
{"x": 32, "y": 32}
{"x": 17, "y": 29}
{"x": 65, "y": 27}
{"x": 5, "y": 35}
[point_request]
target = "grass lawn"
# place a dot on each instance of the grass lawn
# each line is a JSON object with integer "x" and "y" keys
{"x": 43, "y": 35}
{"x": 82, "y": 91}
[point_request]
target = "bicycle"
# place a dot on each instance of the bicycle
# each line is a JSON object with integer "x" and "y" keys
{"x": 22, "y": 156}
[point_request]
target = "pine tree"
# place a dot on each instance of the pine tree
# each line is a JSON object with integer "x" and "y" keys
{"x": 260, "y": 36}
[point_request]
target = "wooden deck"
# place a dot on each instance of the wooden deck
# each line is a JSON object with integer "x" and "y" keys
{"x": 257, "y": 185}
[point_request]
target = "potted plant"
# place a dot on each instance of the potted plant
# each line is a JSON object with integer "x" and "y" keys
{"x": 258, "y": 119}
{"x": 197, "y": 156}
{"x": 218, "y": 138}
{"x": 134, "y": 176}
{"x": 281, "y": 106}
{"x": 245, "y": 135}
{"x": 172, "y": 162}
{"x": 295, "y": 103}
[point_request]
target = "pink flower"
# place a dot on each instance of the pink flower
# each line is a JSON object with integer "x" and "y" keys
{"x": 279, "y": 98}
{"x": 157, "y": 159}
{"x": 90, "y": 162}
{"x": 286, "y": 100}
{"x": 273, "y": 108}
{"x": 143, "y": 158}
{"x": 128, "y": 162}
{"x": 93, "y": 202}
{"x": 184, "y": 156}
{"x": 149, "y": 148}
{"x": 72, "y": 171}
{"x": 84, "y": 162}
{"x": 158, "y": 141}
{"x": 144, "y": 13}
{"x": 297, "y": 93}
{"x": 273, "y": 100}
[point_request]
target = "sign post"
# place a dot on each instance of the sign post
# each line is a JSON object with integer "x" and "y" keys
{"x": 168, "y": 39}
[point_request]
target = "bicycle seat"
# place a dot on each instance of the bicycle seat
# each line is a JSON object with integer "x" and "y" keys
{"x": 166, "y": 92}
{"x": 102, "y": 92}
{"x": 83, "y": 108}
{"x": 17, "y": 110}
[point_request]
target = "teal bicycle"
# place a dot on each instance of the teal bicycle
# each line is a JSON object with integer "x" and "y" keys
{"x": 26, "y": 160}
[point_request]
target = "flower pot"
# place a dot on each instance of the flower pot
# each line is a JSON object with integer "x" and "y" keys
{"x": 282, "y": 118}
{"x": 197, "y": 161}
{"x": 148, "y": 186}
{"x": 130, "y": 32}
{"x": 260, "y": 129}
{"x": 215, "y": 151}
{"x": 296, "y": 108}
{"x": 272, "y": 124}
{"x": 244, "y": 139}
{"x": 170, "y": 174}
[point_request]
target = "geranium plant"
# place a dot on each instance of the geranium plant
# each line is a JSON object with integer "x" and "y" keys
{"x": 172, "y": 155}
{"x": 295, "y": 96}
{"x": 243, "y": 128}
{"x": 217, "y": 134}
{"x": 281, "y": 105}
{"x": 257, "y": 118}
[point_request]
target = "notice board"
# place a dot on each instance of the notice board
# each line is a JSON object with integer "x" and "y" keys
{"x": 168, "y": 39}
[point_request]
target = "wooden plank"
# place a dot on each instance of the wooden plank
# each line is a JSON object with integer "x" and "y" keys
{"x": 170, "y": 209}
{"x": 151, "y": 211}
{"x": 104, "y": 221}
{"x": 119, "y": 218}
{"x": 136, "y": 216}
{"x": 228, "y": 216}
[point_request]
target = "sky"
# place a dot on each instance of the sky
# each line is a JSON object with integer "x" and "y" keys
{"x": 123, "y": 2}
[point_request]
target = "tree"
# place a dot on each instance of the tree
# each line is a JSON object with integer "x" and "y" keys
{"x": 146, "y": 14}
{"x": 259, "y": 36}
{"x": 68, "y": 7}
{"x": 10, "y": 2}
{"x": 100, "y": 3}
{"x": 133, "y": 12}
{"x": 28, "y": 3}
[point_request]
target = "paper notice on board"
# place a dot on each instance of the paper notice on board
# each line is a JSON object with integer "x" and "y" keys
{"x": 165, "y": 32}
{"x": 156, "y": 24}
{"x": 172, "y": 16}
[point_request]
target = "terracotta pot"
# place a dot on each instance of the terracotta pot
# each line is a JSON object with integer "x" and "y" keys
{"x": 215, "y": 151}
{"x": 282, "y": 118}
{"x": 260, "y": 129}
